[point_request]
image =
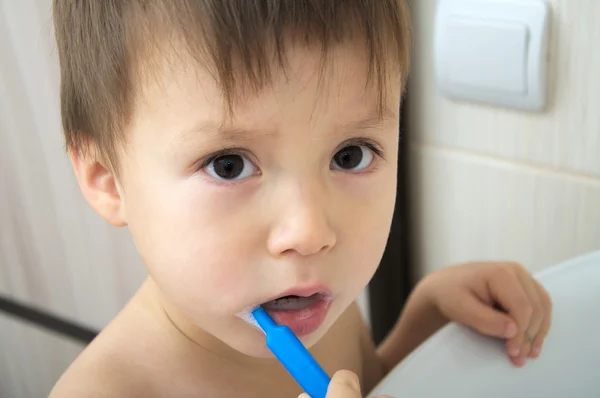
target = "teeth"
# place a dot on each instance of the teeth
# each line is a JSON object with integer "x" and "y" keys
{"x": 292, "y": 303}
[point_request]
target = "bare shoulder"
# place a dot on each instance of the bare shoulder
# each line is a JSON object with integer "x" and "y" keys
{"x": 349, "y": 345}
{"x": 345, "y": 334}
{"x": 100, "y": 374}
{"x": 353, "y": 324}
{"x": 102, "y": 370}
{"x": 372, "y": 368}
{"x": 113, "y": 365}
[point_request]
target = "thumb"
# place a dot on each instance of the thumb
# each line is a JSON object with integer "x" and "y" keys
{"x": 485, "y": 318}
{"x": 344, "y": 384}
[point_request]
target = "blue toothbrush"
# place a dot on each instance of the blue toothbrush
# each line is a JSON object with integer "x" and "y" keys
{"x": 292, "y": 354}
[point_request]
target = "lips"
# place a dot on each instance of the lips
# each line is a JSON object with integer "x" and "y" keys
{"x": 302, "y": 310}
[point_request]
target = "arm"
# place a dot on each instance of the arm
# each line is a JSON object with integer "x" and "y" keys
{"x": 468, "y": 294}
{"x": 419, "y": 320}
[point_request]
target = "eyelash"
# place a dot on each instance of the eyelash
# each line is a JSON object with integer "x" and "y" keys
{"x": 224, "y": 152}
{"x": 372, "y": 145}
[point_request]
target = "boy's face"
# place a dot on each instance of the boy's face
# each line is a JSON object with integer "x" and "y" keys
{"x": 293, "y": 197}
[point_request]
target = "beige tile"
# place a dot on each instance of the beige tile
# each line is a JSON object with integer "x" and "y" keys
{"x": 468, "y": 208}
{"x": 567, "y": 218}
{"x": 565, "y": 136}
{"x": 473, "y": 208}
{"x": 54, "y": 251}
{"x": 31, "y": 359}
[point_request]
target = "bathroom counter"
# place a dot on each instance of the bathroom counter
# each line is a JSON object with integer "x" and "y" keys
{"x": 457, "y": 362}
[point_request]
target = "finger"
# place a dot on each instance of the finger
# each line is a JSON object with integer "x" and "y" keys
{"x": 538, "y": 342}
{"x": 537, "y": 316}
{"x": 484, "y": 318}
{"x": 507, "y": 290}
{"x": 344, "y": 384}
{"x": 304, "y": 395}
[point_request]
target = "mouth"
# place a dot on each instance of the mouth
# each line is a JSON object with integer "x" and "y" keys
{"x": 302, "y": 312}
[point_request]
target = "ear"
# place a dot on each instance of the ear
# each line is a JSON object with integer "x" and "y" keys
{"x": 100, "y": 187}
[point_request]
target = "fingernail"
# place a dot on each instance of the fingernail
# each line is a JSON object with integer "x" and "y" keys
{"x": 536, "y": 351}
{"x": 511, "y": 330}
{"x": 514, "y": 352}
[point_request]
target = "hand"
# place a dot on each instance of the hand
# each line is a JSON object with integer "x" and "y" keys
{"x": 497, "y": 299}
{"x": 344, "y": 384}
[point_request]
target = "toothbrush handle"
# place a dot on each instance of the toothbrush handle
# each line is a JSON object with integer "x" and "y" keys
{"x": 290, "y": 351}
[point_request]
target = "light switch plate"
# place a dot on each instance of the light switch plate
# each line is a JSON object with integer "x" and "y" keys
{"x": 493, "y": 51}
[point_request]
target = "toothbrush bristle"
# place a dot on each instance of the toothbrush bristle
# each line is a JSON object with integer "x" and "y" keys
{"x": 247, "y": 316}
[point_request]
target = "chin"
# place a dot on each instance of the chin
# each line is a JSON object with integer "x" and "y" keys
{"x": 254, "y": 343}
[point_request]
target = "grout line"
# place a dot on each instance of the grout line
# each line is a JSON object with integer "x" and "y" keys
{"x": 582, "y": 177}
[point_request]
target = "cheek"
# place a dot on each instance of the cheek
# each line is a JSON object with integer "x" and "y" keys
{"x": 196, "y": 246}
{"x": 366, "y": 226}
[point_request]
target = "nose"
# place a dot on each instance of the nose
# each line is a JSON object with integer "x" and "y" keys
{"x": 301, "y": 225}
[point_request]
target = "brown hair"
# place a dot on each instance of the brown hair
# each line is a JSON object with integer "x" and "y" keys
{"x": 102, "y": 43}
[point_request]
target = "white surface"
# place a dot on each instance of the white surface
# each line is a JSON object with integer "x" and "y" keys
{"x": 457, "y": 362}
{"x": 493, "y": 51}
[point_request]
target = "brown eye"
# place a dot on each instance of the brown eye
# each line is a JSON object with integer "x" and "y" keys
{"x": 352, "y": 158}
{"x": 230, "y": 167}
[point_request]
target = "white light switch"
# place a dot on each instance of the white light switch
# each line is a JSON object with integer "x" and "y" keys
{"x": 490, "y": 54}
{"x": 492, "y": 51}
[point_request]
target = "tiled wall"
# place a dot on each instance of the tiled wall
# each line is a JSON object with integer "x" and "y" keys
{"x": 500, "y": 184}
{"x": 55, "y": 253}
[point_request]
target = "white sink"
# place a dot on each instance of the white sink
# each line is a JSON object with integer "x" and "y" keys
{"x": 457, "y": 362}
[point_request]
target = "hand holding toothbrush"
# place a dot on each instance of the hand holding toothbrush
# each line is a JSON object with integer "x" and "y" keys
{"x": 344, "y": 384}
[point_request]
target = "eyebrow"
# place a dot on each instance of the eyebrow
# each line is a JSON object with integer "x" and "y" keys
{"x": 225, "y": 133}
{"x": 372, "y": 122}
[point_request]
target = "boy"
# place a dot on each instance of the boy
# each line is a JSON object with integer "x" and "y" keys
{"x": 251, "y": 149}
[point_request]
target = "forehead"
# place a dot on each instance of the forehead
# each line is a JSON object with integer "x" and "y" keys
{"x": 183, "y": 95}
